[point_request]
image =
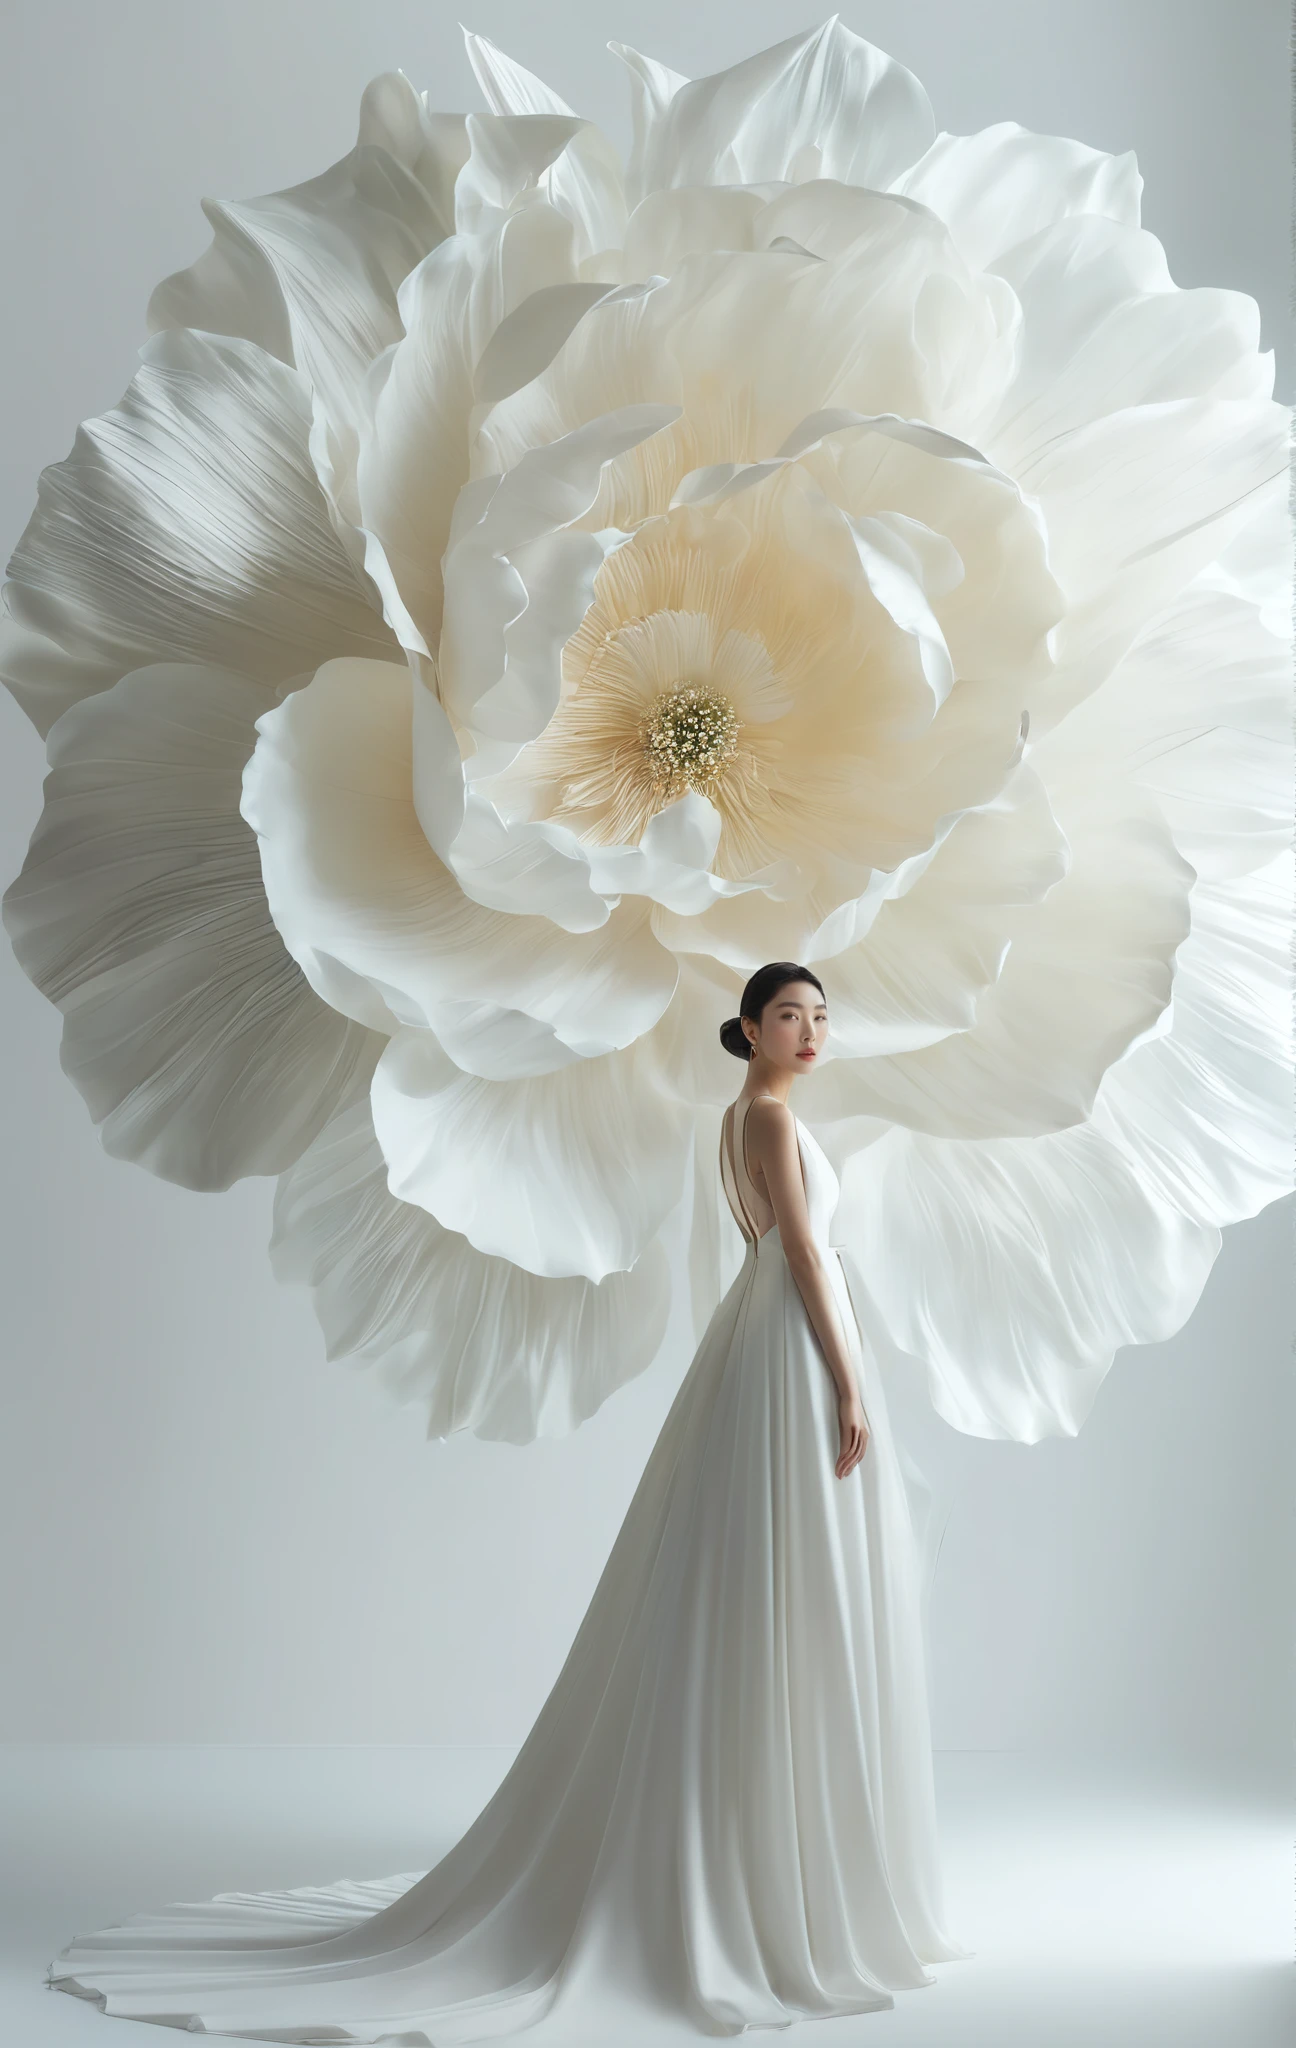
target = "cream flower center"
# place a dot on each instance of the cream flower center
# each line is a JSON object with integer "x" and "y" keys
{"x": 736, "y": 651}
{"x": 687, "y": 735}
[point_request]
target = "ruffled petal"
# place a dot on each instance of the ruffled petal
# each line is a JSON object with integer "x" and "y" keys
{"x": 519, "y": 578}
{"x": 527, "y": 339}
{"x": 193, "y": 1037}
{"x": 41, "y": 675}
{"x": 872, "y": 759}
{"x": 1011, "y": 1269}
{"x": 652, "y": 88}
{"x": 931, "y": 953}
{"x": 1088, "y": 975}
{"x": 668, "y": 227}
{"x": 995, "y": 188}
{"x": 379, "y": 926}
{"x": 1198, "y": 713}
{"x": 672, "y": 865}
{"x": 1104, "y": 328}
{"x": 693, "y": 1067}
{"x": 311, "y": 274}
{"x": 584, "y": 183}
{"x": 822, "y": 104}
{"x": 1257, "y": 565}
{"x": 485, "y": 1157}
{"x": 1137, "y": 504}
{"x": 412, "y": 455}
{"x": 1040, "y": 1256}
{"x": 1044, "y": 495}
{"x": 512, "y": 241}
{"x": 997, "y": 613}
{"x": 186, "y": 525}
{"x": 1206, "y": 1112}
{"x": 777, "y": 333}
{"x": 477, "y": 1342}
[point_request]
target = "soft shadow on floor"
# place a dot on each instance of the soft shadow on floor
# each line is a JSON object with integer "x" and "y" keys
{"x": 1128, "y": 1903}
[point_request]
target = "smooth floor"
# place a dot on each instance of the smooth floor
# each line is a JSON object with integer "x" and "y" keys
{"x": 1131, "y": 1903}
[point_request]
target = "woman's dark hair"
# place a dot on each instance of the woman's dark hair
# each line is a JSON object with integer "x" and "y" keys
{"x": 761, "y": 989}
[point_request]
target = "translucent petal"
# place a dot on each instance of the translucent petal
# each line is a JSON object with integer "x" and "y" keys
{"x": 484, "y": 1157}
{"x": 378, "y": 925}
{"x": 194, "y": 1038}
{"x": 186, "y": 525}
{"x": 478, "y": 1343}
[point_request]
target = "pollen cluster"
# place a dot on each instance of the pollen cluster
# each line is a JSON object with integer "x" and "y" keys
{"x": 687, "y": 735}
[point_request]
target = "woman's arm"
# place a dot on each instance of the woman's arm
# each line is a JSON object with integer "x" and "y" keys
{"x": 773, "y": 1148}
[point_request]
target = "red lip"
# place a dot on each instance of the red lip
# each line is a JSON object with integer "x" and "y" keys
{"x": 805, "y": 1055}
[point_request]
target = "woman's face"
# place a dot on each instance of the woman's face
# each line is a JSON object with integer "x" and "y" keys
{"x": 793, "y": 1027}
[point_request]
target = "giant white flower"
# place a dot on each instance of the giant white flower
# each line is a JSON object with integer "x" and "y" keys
{"x": 517, "y": 596}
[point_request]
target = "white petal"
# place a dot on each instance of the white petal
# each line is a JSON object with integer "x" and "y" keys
{"x": 531, "y": 868}
{"x": 998, "y": 600}
{"x": 1207, "y": 1111}
{"x": 379, "y": 926}
{"x": 311, "y": 273}
{"x": 693, "y": 1066}
{"x": 1257, "y": 564}
{"x": 188, "y": 1029}
{"x": 41, "y": 675}
{"x": 1104, "y": 328}
{"x": 895, "y": 560}
{"x": 1136, "y": 505}
{"x": 915, "y": 433}
{"x": 419, "y": 397}
{"x": 671, "y": 865}
{"x": 485, "y": 1157}
{"x": 1003, "y": 183}
{"x": 822, "y": 104}
{"x": 530, "y": 337}
{"x": 517, "y": 586}
{"x": 686, "y": 831}
{"x": 413, "y": 440}
{"x": 507, "y": 160}
{"x": 488, "y": 587}
{"x": 668, "y": 227}
{"x": 497, "y": 1043}
{"x": 585, "y": 181}
{"x": 1088, "y": 975}
{"x": 1013, "y": 1268}
{"x": 896, "y": 809}
{"x": 188, "y": 525}
{"x": 778, "y": 336}
{"x": 1198, "y": 713}
{"x": 652, "y": 88}
{"x": 508, "y": 86}
{"x": 479, "y": 1343}
{"x": 929, "y": 954}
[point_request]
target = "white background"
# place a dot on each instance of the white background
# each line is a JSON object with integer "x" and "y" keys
{"x": 212, "y": 1535}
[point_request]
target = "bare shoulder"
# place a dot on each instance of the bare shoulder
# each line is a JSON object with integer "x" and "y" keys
{"x": 770, "y": 1120}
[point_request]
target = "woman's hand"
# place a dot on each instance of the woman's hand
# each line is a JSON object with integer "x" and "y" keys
{"x": 854, "y": 1432}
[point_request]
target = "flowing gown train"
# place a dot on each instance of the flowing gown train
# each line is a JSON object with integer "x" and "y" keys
{"x": 726, "y": 1800}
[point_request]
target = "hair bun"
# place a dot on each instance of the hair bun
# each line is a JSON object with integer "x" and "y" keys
{"x": 734, "y": 1039}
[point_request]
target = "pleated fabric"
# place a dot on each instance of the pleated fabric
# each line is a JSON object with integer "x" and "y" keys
{"x": 726, "y": 1802}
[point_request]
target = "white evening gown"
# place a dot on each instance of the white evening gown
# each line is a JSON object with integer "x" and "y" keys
{"x": 725, "y": 1806}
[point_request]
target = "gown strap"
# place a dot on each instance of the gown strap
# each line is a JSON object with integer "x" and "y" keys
{"x": 738, "y": 1201}
{"x": 743, "y": 1220}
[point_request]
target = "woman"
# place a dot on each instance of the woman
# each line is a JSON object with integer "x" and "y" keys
{"x": 724, "y": 1810}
